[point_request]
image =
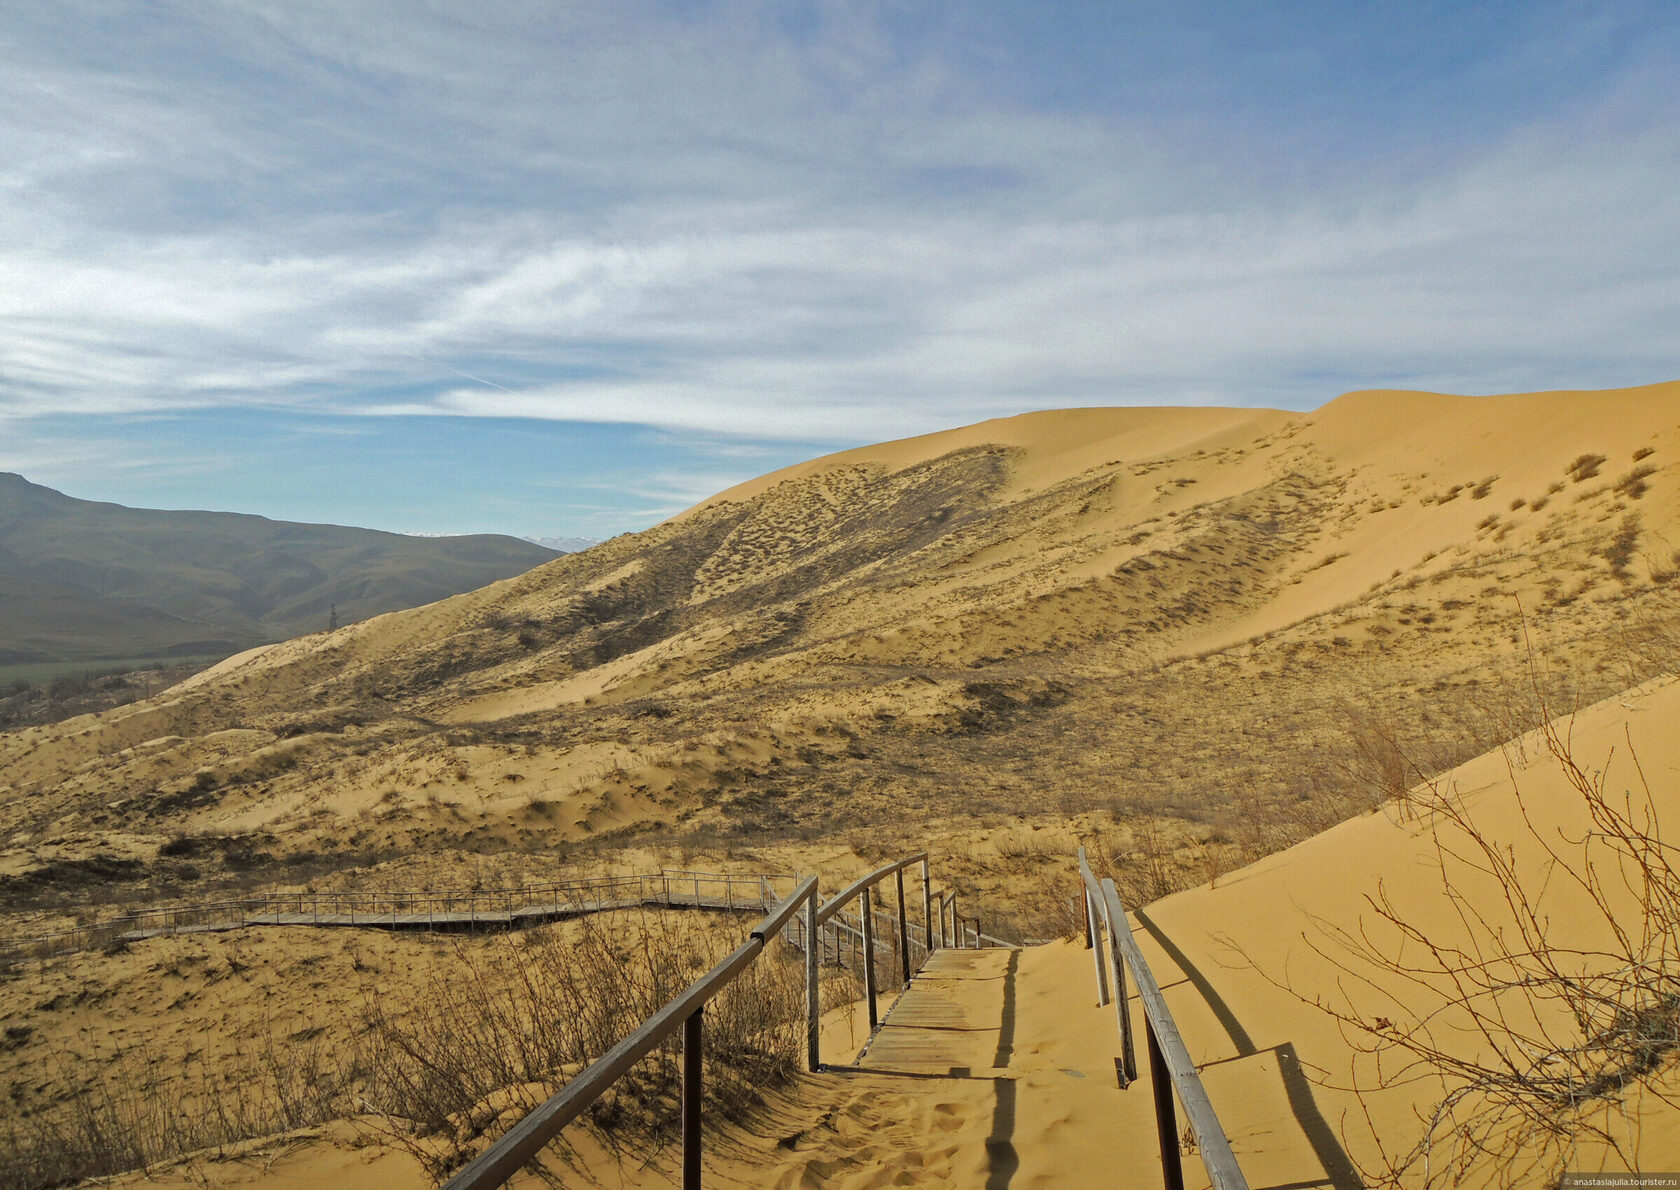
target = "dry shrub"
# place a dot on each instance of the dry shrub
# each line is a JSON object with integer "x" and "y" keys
{"x": 1585, "y": 467}
{"x": 504, "y": 1025}
{"x": 1566, "y": 1027}
{"x": 1623, "y": 546}
{"x": 506, "y": 1030}
{"x": 1633, "y": 485}
{"x": 1145, "y": 871}
{"x": 145, "y": 1107}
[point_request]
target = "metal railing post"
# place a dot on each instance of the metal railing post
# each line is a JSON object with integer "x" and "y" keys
{"x": 1166, "y": 1118}
{"x": 1128, "y": 1056}
{"x": 903, "y": 929}
{"x": 869, "y": 961}
{"x": 693, "y": 1046}
{"x": 813, "y": 1005}
{"x": 1091, "y": 924}
{"x": 927, "y": 908}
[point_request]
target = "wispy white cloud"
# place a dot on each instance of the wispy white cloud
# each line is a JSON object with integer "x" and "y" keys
{"x": 722, "y": 223}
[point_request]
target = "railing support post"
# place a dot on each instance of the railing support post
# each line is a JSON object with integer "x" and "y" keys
{"x": 813, "y": 1005}
{"x": 1093, "y": 924}
{"x": 1122, "y": 1002}
{"x": 869, "y": 961}
{"x": 927, "y": 906}
{"x": 693, "y": 1047}
{"x": 903, "y": 930}
{"x": 1166, "y": 1117}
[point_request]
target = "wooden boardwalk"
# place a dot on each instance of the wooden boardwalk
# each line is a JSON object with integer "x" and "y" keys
{"x": 479, "y": 919}
{"x": 527, "y": 904}
{"x": 951, "y": 1020}
{"x": 525, "y": 915}
{"x": 994, "y": 1070}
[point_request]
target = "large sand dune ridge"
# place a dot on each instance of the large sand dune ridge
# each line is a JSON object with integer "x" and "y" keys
{"x": 1192, "y": 637}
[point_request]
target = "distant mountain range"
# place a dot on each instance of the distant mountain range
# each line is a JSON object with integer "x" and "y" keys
{"x": 565, "y": 545}
{"x": 81, "y": 580}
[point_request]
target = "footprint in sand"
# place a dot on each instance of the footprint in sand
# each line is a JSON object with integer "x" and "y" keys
{"x": 948, "y": 1117}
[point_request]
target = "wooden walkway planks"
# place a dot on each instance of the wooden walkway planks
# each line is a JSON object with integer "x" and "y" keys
{"x": 428, "y": 909}
{"x": 949, "y": 1020}
{"x": 499, "y": 919}
{"x": 525, "y": 915}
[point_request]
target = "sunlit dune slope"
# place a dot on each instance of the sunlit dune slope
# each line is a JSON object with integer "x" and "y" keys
{"x": 1167, "y": 614}
{"x": 1248, "y": 962}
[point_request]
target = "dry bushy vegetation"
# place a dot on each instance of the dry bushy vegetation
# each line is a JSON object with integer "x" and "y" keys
{"x": 1538, "y": 1025}
{"x": 33, "y": 697}
{"x": 145, "y": 1106}
{"x": 489, "y": 1047}
{"x": 440, "y": 1062}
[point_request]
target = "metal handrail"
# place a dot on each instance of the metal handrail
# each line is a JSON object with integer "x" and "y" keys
{"x": 525, "y": 1139}
{"x": 1170, "y": 1065}
{"x": 860, "y": 888}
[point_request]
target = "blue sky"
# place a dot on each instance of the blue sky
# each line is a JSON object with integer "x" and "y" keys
{"x": 563, "y": 269}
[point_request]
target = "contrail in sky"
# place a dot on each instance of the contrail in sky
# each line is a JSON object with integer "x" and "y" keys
{"x": 447, "y": 368}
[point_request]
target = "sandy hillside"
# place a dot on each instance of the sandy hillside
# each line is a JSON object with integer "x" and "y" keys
{"x": 1018, "y": 1089}
{"x": 1256, "y": 951}
{"x": 1192, "y": 637}
{"x": 1045, "y": 612}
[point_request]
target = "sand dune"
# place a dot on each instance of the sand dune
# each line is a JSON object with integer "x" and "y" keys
{"x": 1194, "y": 637}
{"x": 1249, "y": 955}
{"x": 1385, "y": 545}
{"x": 1023, "y": 1092}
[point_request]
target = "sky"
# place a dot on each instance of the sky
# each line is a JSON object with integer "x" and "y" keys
{"x": 567, "y": 268}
